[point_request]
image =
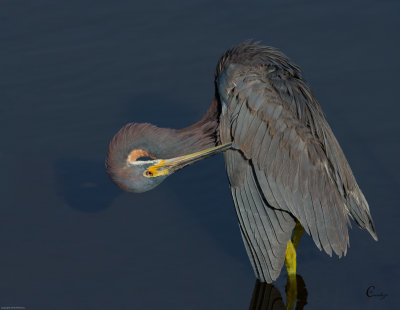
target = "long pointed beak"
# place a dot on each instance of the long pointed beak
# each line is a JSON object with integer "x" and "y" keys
{"x": 168, "y": 166}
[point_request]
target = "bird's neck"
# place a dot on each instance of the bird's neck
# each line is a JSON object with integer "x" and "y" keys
{"x": 169, "y": 143}
{"x": 199, "y": 136}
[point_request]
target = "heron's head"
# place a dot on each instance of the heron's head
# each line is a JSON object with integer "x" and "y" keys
{"x": 130, "y": 154}
{"x": 137, "y": 159}
{"x": 135, "y": 175}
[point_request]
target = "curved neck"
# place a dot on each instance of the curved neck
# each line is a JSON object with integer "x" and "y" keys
{"x": 199, "y": 136}
{"x": 164, "y": 143}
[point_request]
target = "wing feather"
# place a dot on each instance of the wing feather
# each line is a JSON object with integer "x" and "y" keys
{"x": 287, "y": 165}
{"x": 265, "y": 231}
{"x": 288, "y": 158}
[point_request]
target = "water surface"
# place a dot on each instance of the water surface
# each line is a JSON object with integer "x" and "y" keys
{"x": 74, "y": 72}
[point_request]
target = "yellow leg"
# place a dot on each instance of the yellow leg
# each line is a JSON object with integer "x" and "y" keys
{"x": 290, "y": 261}
{"x": 298, "y": 231}
{"x": 290, "y": 258}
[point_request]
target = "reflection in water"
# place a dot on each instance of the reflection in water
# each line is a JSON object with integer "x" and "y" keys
{"x": 84, "y": 185}
{"x": 267, "y": 296}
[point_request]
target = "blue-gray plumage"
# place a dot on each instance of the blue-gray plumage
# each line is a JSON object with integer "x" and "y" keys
{"x": 283, "y": 162}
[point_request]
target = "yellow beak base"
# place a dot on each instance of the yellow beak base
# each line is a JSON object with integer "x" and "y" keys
{"x": 169, "y": 166}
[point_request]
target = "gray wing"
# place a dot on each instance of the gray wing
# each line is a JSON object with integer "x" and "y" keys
{"x": 265, "y": 231}
{"x": 290, "y": 165}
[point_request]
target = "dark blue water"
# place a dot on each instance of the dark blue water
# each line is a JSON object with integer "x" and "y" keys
{"x": 73, "y": 72}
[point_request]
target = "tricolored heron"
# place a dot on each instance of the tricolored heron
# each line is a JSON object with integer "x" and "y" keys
{"x": 286, "y": 169}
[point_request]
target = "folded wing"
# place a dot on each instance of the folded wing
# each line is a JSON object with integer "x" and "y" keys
{"x": 287, "y": 165}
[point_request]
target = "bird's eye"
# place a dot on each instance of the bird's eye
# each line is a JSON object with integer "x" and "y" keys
{"x": 144, "y": 158}
{"x": 149, "y": 173}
